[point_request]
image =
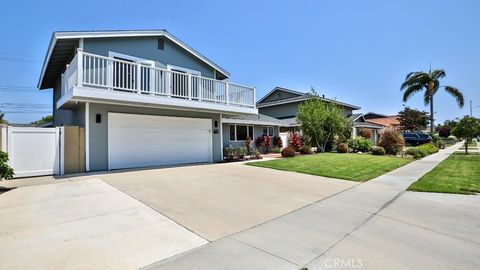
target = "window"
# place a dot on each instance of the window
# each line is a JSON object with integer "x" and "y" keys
{"x": 240, "y": 132}
{"x": 267, "y": 130}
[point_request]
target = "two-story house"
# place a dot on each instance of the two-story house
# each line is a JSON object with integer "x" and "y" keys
{"x": 282, "y": 104}
{"x": 145, "y": 98}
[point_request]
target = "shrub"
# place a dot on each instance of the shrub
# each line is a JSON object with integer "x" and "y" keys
{"x": 444, "y": 131}
{"x": 378, "y": 151}
{"x": 277, "y": 142}
{"x": 234, "y": 153}
{"x": 248, "y": 145}
{"x": 342, "y": 148}
{"x": 306, "y": 150}
{"x": 416, "y": 152}
{"x": 295, "y": 140}
{"x": 359, "y": 144}
{"x": 6, "y": 172}
{"x": 288, "y": 152}
{"x": 263, "y": 142}
{"x": 391, "y": 141}
{"x": 256, "y": 154}
{"x": 365, "y": 133}
{"x": 276, "y": 150}
{"x": 429, "y": 148}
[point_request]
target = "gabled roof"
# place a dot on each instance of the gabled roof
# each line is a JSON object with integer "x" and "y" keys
{"x": 354, "y": 117}
{"x": 301, "y": 97}
{"x": 252, "y": 119}
{"x": 68, "y": 39}
{"x": 278, "y": 88}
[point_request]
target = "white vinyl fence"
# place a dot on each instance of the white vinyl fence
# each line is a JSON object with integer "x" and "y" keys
{"x": 33, "y": 151}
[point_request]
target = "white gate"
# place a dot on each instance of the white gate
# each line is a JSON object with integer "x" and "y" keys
{"x": 33, "y": 151}
{"x": 284, "y": 138}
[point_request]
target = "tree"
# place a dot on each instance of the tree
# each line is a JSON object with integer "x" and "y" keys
{"x": 2, "y": 119}
{"x": 43, "y": 120}
{"x": 6, "y": 172}
{"x": 430, "y": 83}
{"x": 321, "y": 121}
{"x": 467, "y": 128}
{"x": 413, "y": 119}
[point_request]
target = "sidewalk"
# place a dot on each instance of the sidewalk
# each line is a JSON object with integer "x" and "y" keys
{"x": 306, "y": 236}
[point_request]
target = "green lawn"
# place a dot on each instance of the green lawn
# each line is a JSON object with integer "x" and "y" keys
{"x": 459, "y": 173}
{"x": 356, "y": 167}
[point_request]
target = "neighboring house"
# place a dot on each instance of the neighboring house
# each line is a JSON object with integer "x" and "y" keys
{"x": 282, "y": 104}
{"x": 359, "y": 123}
{"x": 236, "y": 129}
{"x": 382, "y": 120}
{"x": 145, "y": 98}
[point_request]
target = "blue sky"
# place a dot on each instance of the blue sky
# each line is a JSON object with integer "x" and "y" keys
{"x": 355, "y": 51}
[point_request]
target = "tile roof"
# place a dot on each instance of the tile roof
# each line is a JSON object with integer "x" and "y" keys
{"x": 385, "y": 121}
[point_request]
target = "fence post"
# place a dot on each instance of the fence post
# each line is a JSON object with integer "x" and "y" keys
{"x": 139, "y": 78}
{"x": 189, "y": 86}
{"x": 226, "y": 93}
{"x": 80, "y": 67}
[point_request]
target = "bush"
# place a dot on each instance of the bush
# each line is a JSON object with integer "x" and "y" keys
{"x": 264, "y": 143}
{"x": 429, "y": 148}
{"x": 306, "y": 150}
{"x": 277, "y": 142}
{"x": 378, "y": 151}
{"x": 416, "y": 152}
{"x": 234, "y": 153}
{"x": 6, "y": 172}
{"x": 342, "y": 148}
{"x": 295, "y": 140}
{"x": 256, "y": 154}
{"x": 276, "y": 150}
{"x": 288, "y": 152}
{"x": 365, "y": 133}
{"x": 444, "y": 131}
{"x": 391, "y": 141}
{"x": 359, "y": 144}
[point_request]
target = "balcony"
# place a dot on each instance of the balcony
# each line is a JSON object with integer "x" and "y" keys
{"x": 96, "y": 78}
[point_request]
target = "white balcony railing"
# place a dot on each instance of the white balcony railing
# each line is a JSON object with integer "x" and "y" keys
{"x": 95, "y": 71}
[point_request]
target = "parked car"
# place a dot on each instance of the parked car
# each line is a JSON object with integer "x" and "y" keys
{"x": 415, "y": 138}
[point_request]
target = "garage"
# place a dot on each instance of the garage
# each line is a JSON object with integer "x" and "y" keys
{"x": 136, "y": 140}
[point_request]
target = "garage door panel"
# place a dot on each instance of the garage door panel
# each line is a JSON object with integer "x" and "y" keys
{"x": 146, "y": 140}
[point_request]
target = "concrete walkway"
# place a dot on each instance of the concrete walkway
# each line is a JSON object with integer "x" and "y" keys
{"x": 366, "y": 226}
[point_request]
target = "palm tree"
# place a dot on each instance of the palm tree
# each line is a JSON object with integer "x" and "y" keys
{"x": 428, "y": 81}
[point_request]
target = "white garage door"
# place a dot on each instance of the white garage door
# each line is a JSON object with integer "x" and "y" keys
{"x": 148, "y": 140}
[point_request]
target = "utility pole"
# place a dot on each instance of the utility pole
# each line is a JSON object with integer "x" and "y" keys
{"x": 471, "y": 114}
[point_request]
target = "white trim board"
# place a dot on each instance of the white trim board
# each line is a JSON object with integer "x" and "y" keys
{"x": 84, "y": 94}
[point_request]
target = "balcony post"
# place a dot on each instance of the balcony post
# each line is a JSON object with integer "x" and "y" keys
{"x": 254, "y": 96}
{"x": 139, "y": 78}
{"x": 227, "y": 98}
{"x": 189, "y": 86}
{"x": 80, "y": 67}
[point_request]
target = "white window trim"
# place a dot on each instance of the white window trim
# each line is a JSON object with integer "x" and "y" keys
{"x": 186, "y": 70}
{"x": 248, "y": 132}
{"x": 268, "y": 129}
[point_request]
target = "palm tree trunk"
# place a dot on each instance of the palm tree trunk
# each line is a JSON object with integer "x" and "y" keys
{"x": 431, "y": 115}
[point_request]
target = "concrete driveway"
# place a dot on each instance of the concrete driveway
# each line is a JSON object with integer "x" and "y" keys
{"x": 127, "y": 220}
{"x": 86, "y": 224}
{"x": 218, "y": 200}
